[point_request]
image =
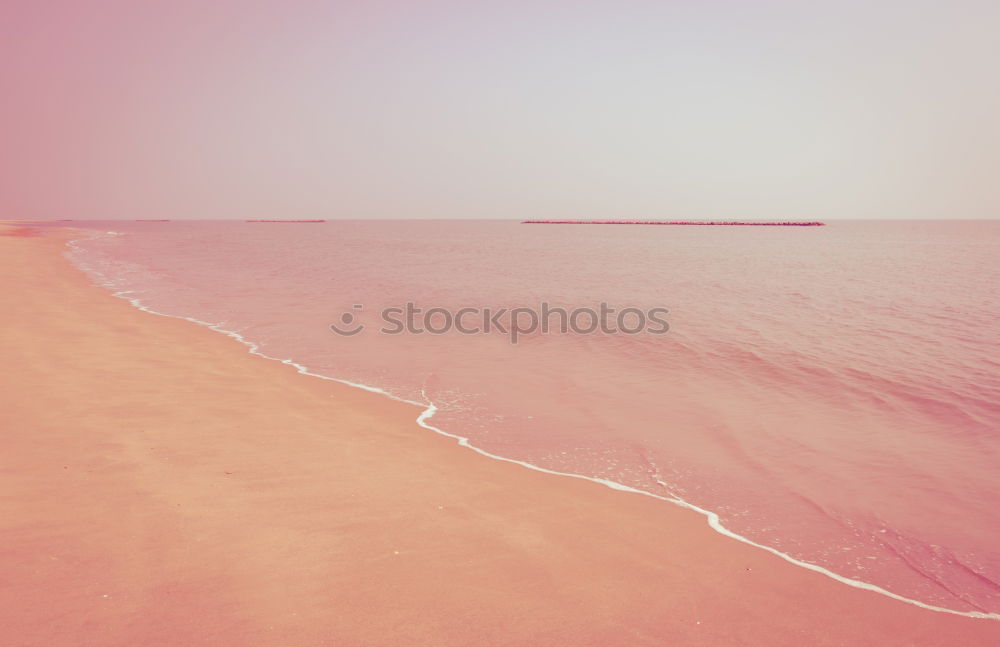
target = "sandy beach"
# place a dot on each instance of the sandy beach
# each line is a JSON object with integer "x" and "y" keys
{"x": 162, "y": 486}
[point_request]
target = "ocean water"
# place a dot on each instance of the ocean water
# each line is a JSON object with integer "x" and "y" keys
{"x": 831, "y": 393}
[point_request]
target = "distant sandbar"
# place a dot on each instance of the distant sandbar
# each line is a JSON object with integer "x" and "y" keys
{"x": 744, "y": 223}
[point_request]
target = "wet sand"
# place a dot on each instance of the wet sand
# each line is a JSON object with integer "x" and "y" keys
{"x": 161, "y": 486}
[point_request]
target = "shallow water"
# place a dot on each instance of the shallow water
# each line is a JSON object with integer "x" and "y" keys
{"x": 831, "y": 392}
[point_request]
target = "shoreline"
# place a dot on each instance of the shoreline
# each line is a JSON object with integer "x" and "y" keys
{"x": 428, "y": 409}
{"x": 543, "y": 531}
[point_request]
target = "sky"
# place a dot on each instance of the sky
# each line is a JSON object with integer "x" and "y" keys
{"x": 634, "y": 109}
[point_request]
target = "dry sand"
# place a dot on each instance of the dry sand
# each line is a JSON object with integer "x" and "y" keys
{"x": 161, "y": 486}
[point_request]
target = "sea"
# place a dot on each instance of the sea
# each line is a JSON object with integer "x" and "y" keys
{"x": 830, "y": 394}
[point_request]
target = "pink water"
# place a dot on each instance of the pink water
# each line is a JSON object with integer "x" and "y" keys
{"x": 830, "y": 392}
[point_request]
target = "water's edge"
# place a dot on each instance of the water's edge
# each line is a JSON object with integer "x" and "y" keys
{"x": 428, "y": 409}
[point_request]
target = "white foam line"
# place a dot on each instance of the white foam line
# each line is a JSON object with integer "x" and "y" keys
{"x": 429, "y": 409}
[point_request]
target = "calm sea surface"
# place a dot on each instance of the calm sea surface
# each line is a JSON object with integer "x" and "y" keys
{"x": 831, "y": 392}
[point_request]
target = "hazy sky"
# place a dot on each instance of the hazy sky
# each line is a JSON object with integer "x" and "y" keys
{"x": 595, "y": 109}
